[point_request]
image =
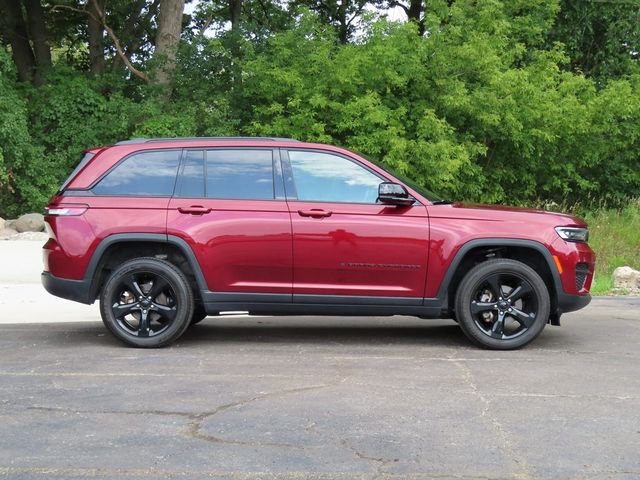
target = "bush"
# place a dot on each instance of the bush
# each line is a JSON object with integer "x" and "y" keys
{"x": 70, "y": 114}
{"x": 23, "y": 172}
{"x": 614, "y": 238}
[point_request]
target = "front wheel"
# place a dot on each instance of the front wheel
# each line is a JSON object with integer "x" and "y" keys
{"x": 147, "y": 302}
{"x": 502, "y": 304}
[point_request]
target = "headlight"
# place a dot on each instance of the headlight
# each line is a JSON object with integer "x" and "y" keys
{"x": 573, "y": 234}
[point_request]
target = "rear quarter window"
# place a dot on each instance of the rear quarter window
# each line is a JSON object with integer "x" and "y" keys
{"x": 83, "y": 161}
{"x": 149, "y": 174}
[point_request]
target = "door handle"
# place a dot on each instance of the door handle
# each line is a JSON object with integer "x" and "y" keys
{"x": 194, "y": 210}
{"x": 314, "y": 213}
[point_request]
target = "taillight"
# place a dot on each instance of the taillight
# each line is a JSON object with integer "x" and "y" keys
{"x": 66, "y": 210}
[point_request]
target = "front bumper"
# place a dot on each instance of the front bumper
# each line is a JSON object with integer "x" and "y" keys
{"x": 574, "y": 282}
{"x": 571, "y": 303}
{"x": 76, "y": 290}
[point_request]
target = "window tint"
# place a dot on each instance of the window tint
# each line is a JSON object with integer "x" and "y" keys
{"x": 192, "y": 176}
{"x": 241, "y": 174}
{"x": 330, "y": 178}
{"x": 142, "y": 174}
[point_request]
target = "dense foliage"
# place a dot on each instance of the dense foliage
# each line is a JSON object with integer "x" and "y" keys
{"x": 498, "y": 101}
{"x": 613, "y": 235}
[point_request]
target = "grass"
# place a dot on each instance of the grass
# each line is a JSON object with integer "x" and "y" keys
{"x": 615, "y": 237}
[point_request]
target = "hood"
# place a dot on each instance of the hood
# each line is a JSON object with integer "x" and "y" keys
{"x": 506, "y": 213}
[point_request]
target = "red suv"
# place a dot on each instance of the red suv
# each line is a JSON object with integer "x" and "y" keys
{"x": 167, "y": 231}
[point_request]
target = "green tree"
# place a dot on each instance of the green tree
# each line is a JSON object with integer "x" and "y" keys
{"x": 602, "y": 38}
{"x": 488, "y": 105}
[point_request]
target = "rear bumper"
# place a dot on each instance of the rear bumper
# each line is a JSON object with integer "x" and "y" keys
{"x": 76, "y": 290}
{"x": 571, "y": 303}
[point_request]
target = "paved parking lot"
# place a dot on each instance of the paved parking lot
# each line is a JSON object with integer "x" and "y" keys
{"x": 311, "y": 398}
{"x": 301, "y": 397}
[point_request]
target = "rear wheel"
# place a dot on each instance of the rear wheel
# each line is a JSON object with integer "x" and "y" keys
{"x": 502, "y": 304}
{"x": 147, "y": 303}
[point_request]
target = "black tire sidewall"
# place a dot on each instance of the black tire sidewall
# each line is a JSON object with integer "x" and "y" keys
{"x": 472, "y": 281}
{"x": 180, "y": 287}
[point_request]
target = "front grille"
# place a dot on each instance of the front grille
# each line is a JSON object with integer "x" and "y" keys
{"x": 582, "y": 270}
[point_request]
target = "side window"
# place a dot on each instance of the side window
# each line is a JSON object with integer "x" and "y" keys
{"x": 142, "y": 174}
{"x": 325, "y": 177}
{"x": 191, "y": 184}
{"x": 240, "y": 174}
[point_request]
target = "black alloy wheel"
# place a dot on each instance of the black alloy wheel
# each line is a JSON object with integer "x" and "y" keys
{"x": 502, "y": 304}
{"x": 147, "y": 302}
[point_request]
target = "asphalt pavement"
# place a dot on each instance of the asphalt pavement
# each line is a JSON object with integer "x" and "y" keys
{"x": 314, "y": 397}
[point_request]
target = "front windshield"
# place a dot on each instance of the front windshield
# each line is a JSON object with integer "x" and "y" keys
{"x": 428, "y": 194}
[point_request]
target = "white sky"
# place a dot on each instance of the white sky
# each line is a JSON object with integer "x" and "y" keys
{"x": 393, "y": 14}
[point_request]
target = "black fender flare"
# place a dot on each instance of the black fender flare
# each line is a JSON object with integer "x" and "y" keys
{"x": 90, "y": 274}
{"x": 500, "y": 242}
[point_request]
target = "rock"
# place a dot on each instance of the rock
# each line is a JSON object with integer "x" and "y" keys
{"x": 2, "y": 223}
{"x": 31, "y": 236}
{"x": 626, "y": 280}
{"x": 7, "y": 233}
{"x": 9, "y": 224}
{"x": 29, "y": 222}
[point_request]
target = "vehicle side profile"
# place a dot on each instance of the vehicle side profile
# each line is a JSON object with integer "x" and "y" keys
{"x": 167, "y": 231}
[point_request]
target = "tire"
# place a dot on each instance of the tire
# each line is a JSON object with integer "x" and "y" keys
{"x": 199, "y": 314}
{"x": 162, "y": 310}
{"x": 502, "y": 304}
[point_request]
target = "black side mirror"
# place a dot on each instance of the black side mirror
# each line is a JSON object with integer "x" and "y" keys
{"x": 390, "y": 193}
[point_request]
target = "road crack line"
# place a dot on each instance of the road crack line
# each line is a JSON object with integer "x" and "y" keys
{"x": 194, "y": 428}
{"x": 499, "y": 430}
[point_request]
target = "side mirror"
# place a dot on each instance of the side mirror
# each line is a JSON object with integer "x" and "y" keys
{"x": 390, "y": 193}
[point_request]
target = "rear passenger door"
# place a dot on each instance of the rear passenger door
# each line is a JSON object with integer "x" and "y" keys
{"x": 229, "y": 205}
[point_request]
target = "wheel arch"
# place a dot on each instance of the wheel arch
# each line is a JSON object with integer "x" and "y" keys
{"x": 529, "y": 252}
{"x": 123, "y": 246}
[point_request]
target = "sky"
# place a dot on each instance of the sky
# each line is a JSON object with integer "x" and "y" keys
{"x": 393, "y": 14}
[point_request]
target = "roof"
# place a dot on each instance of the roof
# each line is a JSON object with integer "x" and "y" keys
{"x": 134, "y": 141}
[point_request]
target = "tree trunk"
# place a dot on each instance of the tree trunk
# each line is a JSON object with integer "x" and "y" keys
{"x": 414, "y": 13}
{"x": 415, "y": 10}
{"x": 235, "y": 39}
{"x": 343, "y": 32}
{"x": 16, "y": 33}
{"x": 96, "y": 38}
{"x": 168, "y": 38}
{"x": 343, "y": 28}
{"x": 38, "y": 34}
{"x": 235, "y": 11}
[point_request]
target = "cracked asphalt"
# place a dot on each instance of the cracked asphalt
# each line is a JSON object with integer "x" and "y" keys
{"x": 321, "y": 398}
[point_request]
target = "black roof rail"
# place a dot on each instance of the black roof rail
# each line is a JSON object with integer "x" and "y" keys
{"x": 185, "y": 139}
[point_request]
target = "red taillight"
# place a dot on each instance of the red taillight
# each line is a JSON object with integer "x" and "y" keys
{"x": 66, "y": 210}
